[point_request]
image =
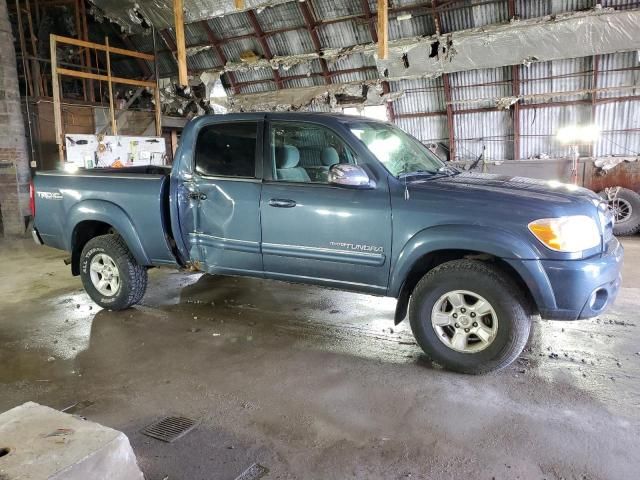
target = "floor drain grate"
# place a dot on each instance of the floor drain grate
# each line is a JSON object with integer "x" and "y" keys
{"x": 169, "y": 428}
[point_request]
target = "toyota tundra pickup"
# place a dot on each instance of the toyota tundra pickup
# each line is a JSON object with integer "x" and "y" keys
{"x": 348, "y": 203}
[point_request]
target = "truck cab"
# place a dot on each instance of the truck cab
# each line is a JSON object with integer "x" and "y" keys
{"x": 347, "y": 203}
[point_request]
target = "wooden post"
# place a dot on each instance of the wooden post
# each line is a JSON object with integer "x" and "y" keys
{"x": 178, "y": 13}
{"x": 35, "y": 66}
{"x": 23, "y": 52}
{"x": 383, "y": 29}
{"x": 114, "y": 127}
{"x": 156, "y": 94}
{"x": 87, "y": 53}
{"x": 57, "y": 112}
{"x": 239, "y": 4}
{"x": 174, "y": 142}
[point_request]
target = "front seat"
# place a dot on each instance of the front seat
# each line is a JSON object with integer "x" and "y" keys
{"x": 287, "y": 160}
{"x": 329, "y": 158}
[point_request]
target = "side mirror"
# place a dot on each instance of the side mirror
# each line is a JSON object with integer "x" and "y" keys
{"x": 348, "y": 175}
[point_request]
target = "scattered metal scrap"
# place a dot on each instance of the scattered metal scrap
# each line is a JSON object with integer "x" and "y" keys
{"x": 604, "y": 164}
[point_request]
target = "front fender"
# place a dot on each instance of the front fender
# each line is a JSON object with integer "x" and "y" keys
{"x": 112, "y": 214}
{"x": 496, "y": 242}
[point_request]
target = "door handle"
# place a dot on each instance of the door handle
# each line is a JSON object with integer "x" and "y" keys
{"x": 282, "y": 203}
{"x": 197, "y": 196}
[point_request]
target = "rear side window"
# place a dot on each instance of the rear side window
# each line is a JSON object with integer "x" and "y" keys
{"x": 227, "y": 149}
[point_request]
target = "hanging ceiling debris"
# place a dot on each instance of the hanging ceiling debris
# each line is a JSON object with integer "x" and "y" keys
{"x": 581, "y": 34}
{"x": 275, "y": 46}
{"x": 319, "y": 98}
{"x": 134, "y": 16}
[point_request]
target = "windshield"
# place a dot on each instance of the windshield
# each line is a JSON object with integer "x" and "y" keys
{"x": 400, "y": 153}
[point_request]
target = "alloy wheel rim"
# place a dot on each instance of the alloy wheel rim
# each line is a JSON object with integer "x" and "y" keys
{"x": 621, "y": 209}
{"x": 105, "y": 275}
{"x": 464, "y": 321}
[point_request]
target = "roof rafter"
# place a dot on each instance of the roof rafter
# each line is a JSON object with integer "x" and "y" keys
{"x": 312, "y": 26}
{"x": 213, "y": 40}
{"x": 264, "y": 44}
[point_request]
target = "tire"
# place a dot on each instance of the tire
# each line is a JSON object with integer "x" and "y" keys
{"x": 625, "y": 204}
{"x": 130, "y": 278}
{"x": 508, "y": 305}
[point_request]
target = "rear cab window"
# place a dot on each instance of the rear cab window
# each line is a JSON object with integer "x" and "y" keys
{"x": 227, "y": 150}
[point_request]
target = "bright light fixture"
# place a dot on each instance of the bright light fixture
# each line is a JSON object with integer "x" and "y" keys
{"x": 578, "y": 134}
{"x": 403, "y": 17}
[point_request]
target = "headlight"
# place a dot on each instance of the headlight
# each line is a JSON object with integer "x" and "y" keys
{"x": 567, "y": 234}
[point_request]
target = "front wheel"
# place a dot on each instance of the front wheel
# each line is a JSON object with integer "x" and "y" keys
{"x": 469, "y": 317}
{"x": 110, "y": 275}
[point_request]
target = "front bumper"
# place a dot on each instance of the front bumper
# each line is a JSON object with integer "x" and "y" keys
{"x": 583, "y": 288}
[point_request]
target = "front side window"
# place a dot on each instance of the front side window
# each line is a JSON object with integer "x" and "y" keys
{"x": 400, "y": 153}
{"x": 227, "y": 149}
{"x": 304, "y": 152}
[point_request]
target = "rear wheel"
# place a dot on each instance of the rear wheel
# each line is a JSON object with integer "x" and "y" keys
{"x": 110, "y": 275}
{"x": 469, "y": 317}
{"x": 625, "y": 205}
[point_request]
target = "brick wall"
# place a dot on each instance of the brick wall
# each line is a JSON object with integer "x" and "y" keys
{"x": 14, "y": 159}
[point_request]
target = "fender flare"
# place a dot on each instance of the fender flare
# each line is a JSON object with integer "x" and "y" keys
{"x": 109, "y": 213}
{"x": 521, "y": 255}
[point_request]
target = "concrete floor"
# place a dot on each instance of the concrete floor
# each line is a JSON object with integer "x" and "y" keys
{"x": 312, "y": 383}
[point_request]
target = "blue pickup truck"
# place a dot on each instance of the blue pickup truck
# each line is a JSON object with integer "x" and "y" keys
{"x": 348, "y": 203}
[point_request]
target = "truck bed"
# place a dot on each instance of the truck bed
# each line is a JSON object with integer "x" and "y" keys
{"x": 136, "y": 197}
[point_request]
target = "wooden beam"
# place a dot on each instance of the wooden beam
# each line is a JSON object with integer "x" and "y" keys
{"x": 383, "y": 29}
{"x": 239, "y": 4}
{"x": 105, "y": 78}
{"x": 29, "y": 88}
{"x": 98, "y": 46}
{"x": 57, "y": 108}
{"x": 87, "y": 53}
{"x": 158, "y": 110}
{"x": 112, "y": 110}
{"x": 386, "y": 88}
{"x": 174, "y": 143}
{"x": 178, "y": 13}
{"x": 146, "y": 70}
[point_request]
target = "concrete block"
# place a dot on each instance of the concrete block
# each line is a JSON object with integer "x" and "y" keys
{"x": 44, "y": 443}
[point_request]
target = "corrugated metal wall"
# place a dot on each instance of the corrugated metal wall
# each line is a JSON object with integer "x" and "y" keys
{"x": 524, "y": 131}
{"x": 422, "y": 108}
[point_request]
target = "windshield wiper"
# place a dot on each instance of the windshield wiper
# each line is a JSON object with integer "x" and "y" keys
{"x": 416, "y": 173}
{"x": 444, "y": 171}
{"x": 449, "y": 169}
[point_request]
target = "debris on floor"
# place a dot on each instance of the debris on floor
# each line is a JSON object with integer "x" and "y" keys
{"x": 254, "y": 472}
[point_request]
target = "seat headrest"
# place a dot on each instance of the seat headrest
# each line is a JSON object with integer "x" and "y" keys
{"x": 287, "y": 156}
{"x": 329, "y": 156}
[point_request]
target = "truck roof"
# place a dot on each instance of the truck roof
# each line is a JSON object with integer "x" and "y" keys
{"x": 318, "y": 116}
